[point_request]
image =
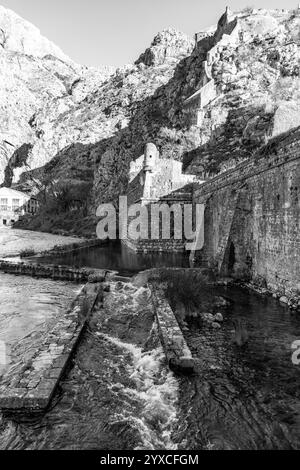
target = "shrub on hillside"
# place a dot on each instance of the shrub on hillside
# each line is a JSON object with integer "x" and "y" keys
{"x": 27, "y": 253}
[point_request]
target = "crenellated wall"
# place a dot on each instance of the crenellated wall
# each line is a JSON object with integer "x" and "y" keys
{"x": 212, "y": 45}
{"x": 252, "y": 218}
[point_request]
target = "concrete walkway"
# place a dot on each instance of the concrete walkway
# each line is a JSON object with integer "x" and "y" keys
{"x": 13, "y": 242}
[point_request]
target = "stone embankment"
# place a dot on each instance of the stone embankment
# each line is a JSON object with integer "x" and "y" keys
{"x": 71, "y": 248}
{"x": 31, "y": 383}
{"x": 62, "y": 273}
{"x": 177, "y": 352}
{"x": 291, "y": 301}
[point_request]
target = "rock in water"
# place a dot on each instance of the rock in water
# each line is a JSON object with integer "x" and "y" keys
{"x": 182, "y": 365}
{"x": 219, "y": 317}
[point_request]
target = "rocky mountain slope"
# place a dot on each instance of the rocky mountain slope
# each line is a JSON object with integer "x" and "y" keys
{"x": 80, "y": 133}
{"x": 35, "y": 76}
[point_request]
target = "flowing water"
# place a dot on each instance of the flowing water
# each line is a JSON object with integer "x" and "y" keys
{"x": 120, "y": 394}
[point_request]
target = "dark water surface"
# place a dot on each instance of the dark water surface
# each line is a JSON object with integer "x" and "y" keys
{"x": 117, "y": 257}
{"x": 243, "y": 397}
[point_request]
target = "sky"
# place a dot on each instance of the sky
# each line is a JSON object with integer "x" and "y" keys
{"x": 116, "y": 32}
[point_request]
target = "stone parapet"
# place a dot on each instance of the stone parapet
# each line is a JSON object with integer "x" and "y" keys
{"x": 250, "y": 168}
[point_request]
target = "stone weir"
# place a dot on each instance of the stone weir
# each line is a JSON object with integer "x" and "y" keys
{"x": 31, "y": 383}
{"x": 62, "y": 273}
{"x": 177, "y": 352}
{"x": 252, "y": 218}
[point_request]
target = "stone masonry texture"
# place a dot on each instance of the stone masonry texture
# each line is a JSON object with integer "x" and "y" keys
{"x": 252, "y": 217}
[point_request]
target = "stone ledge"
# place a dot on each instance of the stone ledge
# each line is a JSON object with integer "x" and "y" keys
{"x": 63, "y": 273}
{"x": 177, "y": 352}
{"x": 32, "y": 384}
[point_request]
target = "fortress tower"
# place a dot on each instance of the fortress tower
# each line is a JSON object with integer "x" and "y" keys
{"x": 151, "y": 156}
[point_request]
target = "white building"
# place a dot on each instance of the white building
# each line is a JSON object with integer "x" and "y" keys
{"x": 13, "y": 204}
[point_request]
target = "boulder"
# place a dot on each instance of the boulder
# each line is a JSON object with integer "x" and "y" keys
{"x": 219, "y": 317}
{"x": 183, "y": 365}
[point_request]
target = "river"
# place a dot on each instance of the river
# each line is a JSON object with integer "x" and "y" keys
{"x": 119, "y": 393}
{"x": 117, "y": 257}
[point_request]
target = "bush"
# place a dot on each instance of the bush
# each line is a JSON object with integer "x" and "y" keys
{"x": 27, "y": 253}
{"x": 187, "y": 291}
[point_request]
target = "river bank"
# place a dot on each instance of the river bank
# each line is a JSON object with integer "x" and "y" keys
{"x": 13, "y": 241}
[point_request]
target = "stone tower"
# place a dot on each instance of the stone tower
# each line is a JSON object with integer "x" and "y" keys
{"x": 151, "y": 156}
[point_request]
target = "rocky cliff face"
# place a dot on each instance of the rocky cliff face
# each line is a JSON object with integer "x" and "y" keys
{"x": 258, "y": 85}
{"x": 80, "y": 129}
{"x": 18, "y": 35}
{"x": 36, "y": 78}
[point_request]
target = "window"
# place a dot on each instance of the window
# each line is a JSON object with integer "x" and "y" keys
{"x": 3, "y": 204}
{"x": 15, "y": 204}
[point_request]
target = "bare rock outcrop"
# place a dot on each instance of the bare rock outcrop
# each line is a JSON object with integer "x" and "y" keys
{"x": 18, "y": 35}
{"x": 36, "y": 79}
{"x": 168, "y": 45}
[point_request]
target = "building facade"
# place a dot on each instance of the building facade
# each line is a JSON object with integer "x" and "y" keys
{"x": 13, "y": 204}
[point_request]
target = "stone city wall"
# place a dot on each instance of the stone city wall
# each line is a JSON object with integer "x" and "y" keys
{"x": 252, "y": 218}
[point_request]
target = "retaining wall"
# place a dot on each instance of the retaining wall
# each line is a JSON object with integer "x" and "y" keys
{"x": 62, "y": 273}
{"x": 252, "y": 218}
{"x": 30, "y": 385}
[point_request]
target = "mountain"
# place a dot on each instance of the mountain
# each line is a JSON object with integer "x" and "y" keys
{"x": 18, "y": 35}
{"x": 81, "y": 130}
{"x": 35, "y": 76}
